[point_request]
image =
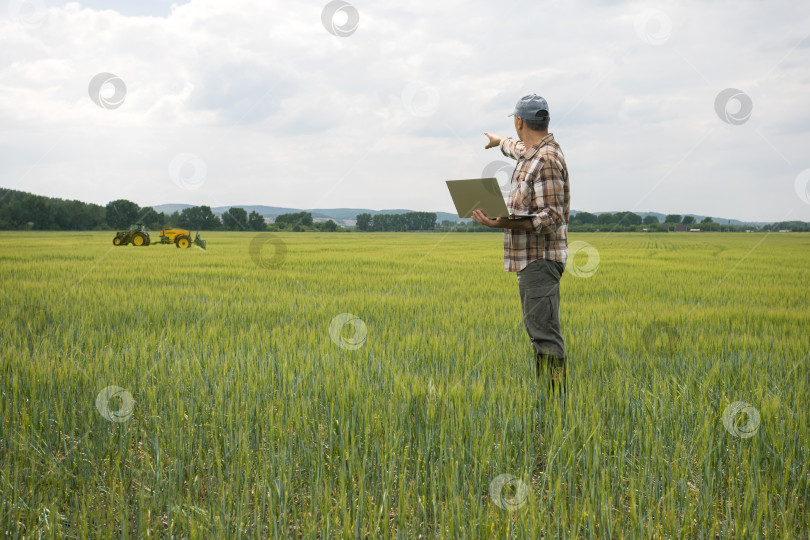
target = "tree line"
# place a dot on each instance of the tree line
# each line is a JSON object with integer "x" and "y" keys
{"x": 409, "y": 221}
{"x": 632, "y": 222}
{"x": 21, "y": 211}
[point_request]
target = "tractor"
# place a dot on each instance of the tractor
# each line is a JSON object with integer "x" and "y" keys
{"x": 137, "y": 235}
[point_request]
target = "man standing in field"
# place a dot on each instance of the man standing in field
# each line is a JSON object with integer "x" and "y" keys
{"x": 536, "y": 247}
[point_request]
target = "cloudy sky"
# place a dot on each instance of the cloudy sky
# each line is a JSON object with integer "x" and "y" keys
{"x": 675, "y": 107}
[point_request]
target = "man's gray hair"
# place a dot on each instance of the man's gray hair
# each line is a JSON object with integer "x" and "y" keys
{"x": 540, "y": 123}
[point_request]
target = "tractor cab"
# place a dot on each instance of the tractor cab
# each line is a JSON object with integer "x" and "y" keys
{"x": 137, "y": 235}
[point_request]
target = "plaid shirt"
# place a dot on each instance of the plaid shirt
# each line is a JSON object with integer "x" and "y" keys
{"x": 539, "y": 186}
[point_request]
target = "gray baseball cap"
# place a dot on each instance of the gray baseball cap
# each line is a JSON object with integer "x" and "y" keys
{"x": 529, "y": 107}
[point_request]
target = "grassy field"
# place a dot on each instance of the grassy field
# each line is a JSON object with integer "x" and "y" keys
{"x": 382, "y": 385}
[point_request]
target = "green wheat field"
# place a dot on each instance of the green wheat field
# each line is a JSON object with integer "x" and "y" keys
{"x": 382, "y": 386}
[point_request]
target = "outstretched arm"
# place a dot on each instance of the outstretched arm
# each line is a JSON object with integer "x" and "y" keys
{"x": 494, "y": 140}
{"x": 510, "y": 147}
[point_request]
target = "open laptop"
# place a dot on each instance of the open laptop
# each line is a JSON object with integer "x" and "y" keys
{"x": 482, "y": 193}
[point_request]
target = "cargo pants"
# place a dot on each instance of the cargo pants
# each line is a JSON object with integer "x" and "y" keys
{"x": 539, "y": 287}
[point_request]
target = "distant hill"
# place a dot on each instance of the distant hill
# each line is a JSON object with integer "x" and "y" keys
{"x": 351, "y": 213}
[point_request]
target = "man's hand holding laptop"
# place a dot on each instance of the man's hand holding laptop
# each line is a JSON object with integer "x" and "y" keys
{"x": 505, "y": 222}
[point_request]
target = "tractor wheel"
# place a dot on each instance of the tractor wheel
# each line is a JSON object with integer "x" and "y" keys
{"x": 139, "y": 240}
{"x": 182, "y": 242}
{"x": 117, "y": 241}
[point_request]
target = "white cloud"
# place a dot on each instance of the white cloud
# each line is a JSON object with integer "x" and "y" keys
{"x": 284, "y": 113}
